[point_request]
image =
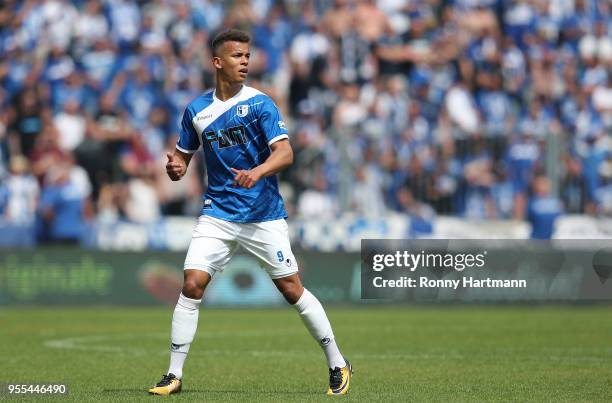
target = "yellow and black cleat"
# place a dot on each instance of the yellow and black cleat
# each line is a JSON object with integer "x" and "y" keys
{"x": 168, "y": 385}
{"x": 340, "y": 380}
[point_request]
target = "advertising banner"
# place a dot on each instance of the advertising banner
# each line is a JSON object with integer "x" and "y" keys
{"x": 387, "y": 271}
{"x": 76, "y": 276}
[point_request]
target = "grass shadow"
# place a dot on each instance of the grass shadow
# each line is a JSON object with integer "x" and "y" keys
{"x": 220, "y": 391}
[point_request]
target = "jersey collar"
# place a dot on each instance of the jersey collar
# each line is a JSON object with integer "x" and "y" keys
{"x": 229, "y": 99}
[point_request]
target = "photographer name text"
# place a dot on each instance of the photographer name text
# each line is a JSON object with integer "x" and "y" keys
{"x": 409, "y": 261}
{"x": 465, "y": 282}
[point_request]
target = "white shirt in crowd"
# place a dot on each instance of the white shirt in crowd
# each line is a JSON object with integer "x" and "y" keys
{"x": 23, "y": 193}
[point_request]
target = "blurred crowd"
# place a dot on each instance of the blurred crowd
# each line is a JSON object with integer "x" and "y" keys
{"x": 474, "y": 108}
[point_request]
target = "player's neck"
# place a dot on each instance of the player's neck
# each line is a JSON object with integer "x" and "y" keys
{"x": 226, "y": 90}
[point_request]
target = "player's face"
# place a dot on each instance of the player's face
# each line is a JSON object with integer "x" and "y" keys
{"x": 232, "y": 63}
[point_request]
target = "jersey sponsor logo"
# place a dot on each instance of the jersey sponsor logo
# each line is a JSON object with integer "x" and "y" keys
{"x": 242, "y": 110}
{"x": 204, "y": 117}
{"x": 282, "y": 125}
{"x": 226, "y": 138}
{"x": 207, "y": 203}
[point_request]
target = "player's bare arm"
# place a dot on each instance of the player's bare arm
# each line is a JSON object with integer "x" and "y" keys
{"x": 177, "y": 164}
{"x": 280, "y": 158}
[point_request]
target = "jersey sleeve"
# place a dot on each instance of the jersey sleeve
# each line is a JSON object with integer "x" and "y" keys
{"x": 188, "y": 141}
{"x": 271, "y": 122}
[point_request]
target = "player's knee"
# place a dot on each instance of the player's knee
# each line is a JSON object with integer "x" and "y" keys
{"x": 192, "y": 289}
{"x": 292, "y": 292}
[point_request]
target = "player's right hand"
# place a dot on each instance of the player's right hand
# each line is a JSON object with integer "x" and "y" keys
{"x": 175, "y": 167}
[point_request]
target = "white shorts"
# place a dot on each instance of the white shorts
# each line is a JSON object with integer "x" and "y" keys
{"x": 214, "y": 242}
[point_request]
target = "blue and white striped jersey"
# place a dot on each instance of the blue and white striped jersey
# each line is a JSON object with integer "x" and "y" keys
{"x": 236, "y": 133}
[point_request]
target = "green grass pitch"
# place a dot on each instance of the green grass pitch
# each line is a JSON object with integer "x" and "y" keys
{"x": 413, "y": 353}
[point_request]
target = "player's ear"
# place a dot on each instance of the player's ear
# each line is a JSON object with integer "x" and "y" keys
{"x": 216, "y": 62}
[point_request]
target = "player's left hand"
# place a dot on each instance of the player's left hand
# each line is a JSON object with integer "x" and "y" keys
{"x": 246, "y": 178}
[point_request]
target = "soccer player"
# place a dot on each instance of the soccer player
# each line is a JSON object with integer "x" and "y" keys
{"x": 245, "y": 145}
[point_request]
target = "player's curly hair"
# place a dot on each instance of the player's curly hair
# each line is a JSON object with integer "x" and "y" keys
{"x": 228, "y": 35}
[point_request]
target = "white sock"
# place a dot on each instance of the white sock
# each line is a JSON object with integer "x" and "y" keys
{"x": 184, "y": 325}
{"x": 314, "y": 317}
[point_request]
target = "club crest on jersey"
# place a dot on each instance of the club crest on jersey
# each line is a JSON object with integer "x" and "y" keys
{"x": 242, "y": 110}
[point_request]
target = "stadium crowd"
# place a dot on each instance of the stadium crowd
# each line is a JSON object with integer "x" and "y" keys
{"x": 475, "y": 108}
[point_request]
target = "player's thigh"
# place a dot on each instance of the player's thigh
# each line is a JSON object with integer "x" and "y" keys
{"x": 269, "y": 242}
{"x": 212, "y": 246}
